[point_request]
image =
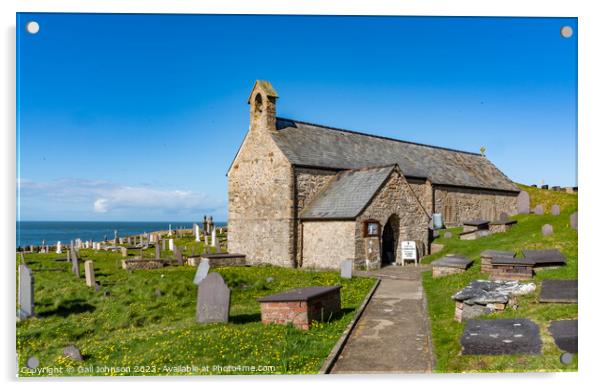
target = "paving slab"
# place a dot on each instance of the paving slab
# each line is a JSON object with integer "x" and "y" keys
{"x": 392, "y": 334}
{"x": 558, "y": 291}
{"x": 511, "y": 336}
{"x": 564, "y": 333}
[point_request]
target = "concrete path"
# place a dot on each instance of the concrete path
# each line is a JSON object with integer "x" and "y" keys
{"x": 393, "y": 333}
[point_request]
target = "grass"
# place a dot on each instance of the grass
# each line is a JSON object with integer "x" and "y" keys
{"x": 136, "y": 330}
{"x": 526, "y": 235}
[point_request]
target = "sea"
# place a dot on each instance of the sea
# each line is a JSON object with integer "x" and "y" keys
{"x": 34, "y": 232}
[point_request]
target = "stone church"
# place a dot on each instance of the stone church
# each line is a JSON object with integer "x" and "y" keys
{"x": 308, "y": 195}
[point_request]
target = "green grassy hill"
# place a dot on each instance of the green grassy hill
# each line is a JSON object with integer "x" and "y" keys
{"x": 526, "y": 235}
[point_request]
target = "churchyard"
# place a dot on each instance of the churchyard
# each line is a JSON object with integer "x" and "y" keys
{"x": 526, "y": 235}
{"x": 144, "y": 321}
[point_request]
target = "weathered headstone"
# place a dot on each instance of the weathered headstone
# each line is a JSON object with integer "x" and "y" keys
{"x": 59, "y": 247}
{"x": 555, "y": 209}
{"x": 89, "y": 271}
{"x": 178, "y": 255}
{"x": 163, "y": 244}
{"x": 213, "y": 237}
{"x": 547, "y": 230}
{"x": 538, "y": 210}
{"x": 206, "y": 241}
{"x": 524, "y": 202}
{"x": 201, "y": 271}
{"x": 213, "y": 300}
{"x": 447, "y": 235}
{"x": 574, "y": 220}
{"x": 218, "y": 247}
{"x": 75, "y": 263}
{"x": 124, "y": 251}
{"x": 157, "y": 251}
{"x": 171, "y": 245}
{"x": 26, "y": 282}
{"x": 346, "y": 268}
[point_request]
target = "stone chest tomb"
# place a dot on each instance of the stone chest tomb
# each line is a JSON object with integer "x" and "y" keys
{"x": 301, "y": 306}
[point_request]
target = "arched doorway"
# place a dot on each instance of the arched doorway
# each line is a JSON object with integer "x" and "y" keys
{"x": 389, "y": 241}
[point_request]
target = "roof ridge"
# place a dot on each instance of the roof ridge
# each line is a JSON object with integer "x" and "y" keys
{"x": 379, "y": 136}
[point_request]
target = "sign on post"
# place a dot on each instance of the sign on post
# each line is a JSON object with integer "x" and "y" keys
{"x": 408, "y": 252}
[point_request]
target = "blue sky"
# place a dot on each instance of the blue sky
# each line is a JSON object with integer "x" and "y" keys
{"x": 137, "y": 117}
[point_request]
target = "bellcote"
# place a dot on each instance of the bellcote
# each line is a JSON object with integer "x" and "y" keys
{"x": 262, "y": 102}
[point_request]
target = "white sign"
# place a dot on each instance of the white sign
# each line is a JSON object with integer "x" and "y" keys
{"x": 408, "y": 250}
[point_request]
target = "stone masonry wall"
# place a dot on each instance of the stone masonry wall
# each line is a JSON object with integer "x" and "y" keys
{"x": 457, "y": 205}
{"x": 395, "y": 197}
{"x": 327, "y": 243}
{"x": 260, "y": 202}
{"x": 308, "y": 183}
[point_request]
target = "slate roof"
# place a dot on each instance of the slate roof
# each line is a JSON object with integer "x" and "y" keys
{"x": 311, "y": 145}
{"x": 347, "y": 194}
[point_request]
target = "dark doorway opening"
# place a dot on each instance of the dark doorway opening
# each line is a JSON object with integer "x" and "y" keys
{"x": 388, "y": 243}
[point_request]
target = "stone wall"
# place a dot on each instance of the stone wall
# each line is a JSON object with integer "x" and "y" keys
{"x": 261, "y": 200}
{"x": 327, "y": 243}
{"x": 308, "y": 183}
{"x": 457, "y": 205}
{"x": 424, "y": 192}
{"x": 396, "y": 197}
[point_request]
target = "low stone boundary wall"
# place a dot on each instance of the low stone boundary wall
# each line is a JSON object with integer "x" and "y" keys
{"x": 134, "y": 264}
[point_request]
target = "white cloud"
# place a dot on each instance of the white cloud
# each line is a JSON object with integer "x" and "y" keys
{"x": 104, "y": 197}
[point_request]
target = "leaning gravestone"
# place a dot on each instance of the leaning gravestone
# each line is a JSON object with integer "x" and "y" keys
{"x": 574, "y": 220}
{"x": 75, "y": 263}
{"x": 213, "y": 300}
{"x": 25, "y": 292}
{"x": 524, "y": 202}
{"x": 89, "y": 271}
{"x": 346, "y": 268}
{"x": 201, "y": 271}
{"x": 547, "y": 230}
{"x": 555, "y": 209}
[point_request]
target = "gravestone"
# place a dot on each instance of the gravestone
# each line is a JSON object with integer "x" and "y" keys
{"x": 346, "y": 268}
{"x": 75, "y": 263}
{"x": 124, "y": 251}
{"x": 538, "y": 210}
{"x": 59, "y": 247}
{"x": 218, "y": 247}
{"x": 213, "y": 238}
{"x": 72, "y": 352}
{"x": 447, "y": 235}
{"x": 213, "y": 300}
{"x": 574, "y": 221}
{"x": 564, "y": 333}
{"x": 89, "y": 271}
{"x": 206, "y": 241}
{"x": 501, "y": 337}
{"x": 524, "y": 202}
{"x": 26, "y": 282}
{"x": 201, "y": 271}
{"x": 171, "y": 245}
{"x": 163, "y": 244}
{"x": 157, "y": 251}
{"x": 555, "y": 209}
{"x": 547, "y": 230}
{"x": 178, "y": 255}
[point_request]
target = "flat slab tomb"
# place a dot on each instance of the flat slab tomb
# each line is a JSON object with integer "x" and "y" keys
{"x": 301, "y": 306}
{"x": 501, "y": 337}
{"x": 449, "y": 265}
{"x": 564, "y": 333}
{"x": 545, "y": 257}
{"x": 218, "y": 259}
{"x": 479, "y": 224}
{"x": 558, "y": 291}
{"x": 501, "y": 226}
